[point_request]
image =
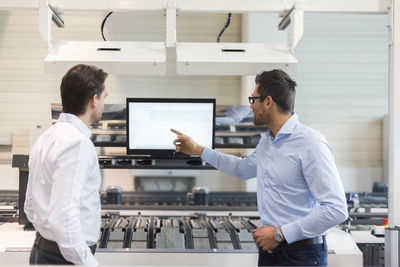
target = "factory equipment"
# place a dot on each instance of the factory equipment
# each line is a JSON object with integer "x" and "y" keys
{"x": 233, "y": 129}
{"x": 210, "y": 226}
{"x": 198, "y": 232}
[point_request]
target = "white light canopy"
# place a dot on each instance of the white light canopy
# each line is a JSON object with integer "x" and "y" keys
{"x": 125, "y": 58}
{"x": 150, "y": 58}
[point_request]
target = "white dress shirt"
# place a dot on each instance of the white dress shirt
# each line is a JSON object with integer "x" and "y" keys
{"x": 62, "y": 198}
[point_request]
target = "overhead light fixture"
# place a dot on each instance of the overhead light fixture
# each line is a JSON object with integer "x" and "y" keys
{"x": 140, "y": 58}
{"x": 150, "y": 58}
{"x": 232, "y": 58}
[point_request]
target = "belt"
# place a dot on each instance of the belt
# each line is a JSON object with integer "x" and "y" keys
{"x": 51, "y": 246}
{"x": 301, "y": 244}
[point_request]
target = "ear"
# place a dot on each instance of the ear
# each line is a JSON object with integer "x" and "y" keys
{"x": 268, "y": 102}
{"x": 93, "y": 102}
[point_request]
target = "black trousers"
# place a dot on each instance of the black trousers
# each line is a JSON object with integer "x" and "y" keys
{"x": 40, "y": 256}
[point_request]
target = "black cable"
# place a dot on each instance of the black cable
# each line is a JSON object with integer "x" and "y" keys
{"x": 102, "y": 25}
{"x": 228, "y": 21}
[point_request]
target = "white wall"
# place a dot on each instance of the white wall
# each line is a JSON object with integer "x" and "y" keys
{"x": 343, "y": 90}
{"x": 342, "y": 86}
{"x": 342, "y": 79}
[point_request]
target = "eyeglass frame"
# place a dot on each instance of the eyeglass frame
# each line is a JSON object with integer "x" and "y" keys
{"x": 253, "y": 98}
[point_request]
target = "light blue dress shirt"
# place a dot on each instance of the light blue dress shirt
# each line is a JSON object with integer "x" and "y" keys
{"x": 298, "y": 184}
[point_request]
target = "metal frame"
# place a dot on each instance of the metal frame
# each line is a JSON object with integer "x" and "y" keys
{"x": 21, "y": 162}
{"x": 183, "y": 58}
{"x": 173, "y": 7}
{"x": 212, "y": 6}
{"x": 392, "y": 245}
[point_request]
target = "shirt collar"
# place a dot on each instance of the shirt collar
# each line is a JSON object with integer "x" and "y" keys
{"x": 286, "y": 129}
{"x": 78, "y": 123}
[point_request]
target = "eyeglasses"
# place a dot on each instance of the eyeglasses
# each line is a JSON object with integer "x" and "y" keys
{"x": 252, "y": 98}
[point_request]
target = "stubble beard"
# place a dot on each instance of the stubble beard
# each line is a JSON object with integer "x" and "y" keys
{"x": 96, "y": 118}
{"x": 256, "y": 121}
{"x": 260, "y": 119}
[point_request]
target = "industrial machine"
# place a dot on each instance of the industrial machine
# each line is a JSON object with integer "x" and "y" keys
{"x": 148, "y": 226}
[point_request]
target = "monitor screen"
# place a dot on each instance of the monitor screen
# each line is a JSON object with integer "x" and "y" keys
{"x": 149, "y": 121}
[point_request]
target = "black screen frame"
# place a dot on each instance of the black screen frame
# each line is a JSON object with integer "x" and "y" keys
{"x": 164, "y": 153}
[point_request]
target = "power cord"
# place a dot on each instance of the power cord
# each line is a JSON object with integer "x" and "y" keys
{"x": 102, "y": 25}
{"x": 228, "y": 21}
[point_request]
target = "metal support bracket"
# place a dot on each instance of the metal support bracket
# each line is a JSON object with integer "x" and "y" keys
{"x": 391, "y": 22}
{"x": 171, "y": 12}
{"x": 45, "y": 15}
{"x": 297, "y": 27}
{"x": 294, "y": 17}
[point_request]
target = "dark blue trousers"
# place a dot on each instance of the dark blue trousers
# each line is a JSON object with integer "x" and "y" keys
{"x": 40, "y": 256}
{"x": 312, "y": 255}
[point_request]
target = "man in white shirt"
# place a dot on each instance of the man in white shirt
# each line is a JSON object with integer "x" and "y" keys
{"x": 62, "y": 198}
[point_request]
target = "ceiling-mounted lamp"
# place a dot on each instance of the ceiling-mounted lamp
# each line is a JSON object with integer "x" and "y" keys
{"x": 125, "y": 58}
{"x": 150, "y": 58}
{"x": 232, "y": 58}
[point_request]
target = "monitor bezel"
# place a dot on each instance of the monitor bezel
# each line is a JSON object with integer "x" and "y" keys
{"x": 164, "y": 153}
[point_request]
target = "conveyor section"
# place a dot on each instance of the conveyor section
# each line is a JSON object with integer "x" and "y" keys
{"x": 200, "y": 234}
{"x": 222, "y": 237}
{"x": 139, "y": 236}
{"x": 178, "y": 233}
{"x": 243, "y": 232}
{"x": 117, "y": 234}
{"x": 170, "y": 235}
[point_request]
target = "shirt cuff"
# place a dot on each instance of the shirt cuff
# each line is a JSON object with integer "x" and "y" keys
{"x": 290, "y": 232}
{"x": 91, "y": 261}
{"x": 207, "y": 154}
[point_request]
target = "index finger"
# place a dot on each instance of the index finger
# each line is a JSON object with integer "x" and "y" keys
{"x": 176, "y": 132}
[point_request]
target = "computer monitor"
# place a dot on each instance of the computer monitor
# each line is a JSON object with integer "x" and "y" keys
{"x": 149, "y": 121}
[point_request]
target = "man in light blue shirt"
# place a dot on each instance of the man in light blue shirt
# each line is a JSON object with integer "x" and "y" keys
{"x": 299, "y": 191}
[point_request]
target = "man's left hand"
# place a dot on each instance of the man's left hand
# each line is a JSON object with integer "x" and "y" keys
{"x": 264, "y": 237}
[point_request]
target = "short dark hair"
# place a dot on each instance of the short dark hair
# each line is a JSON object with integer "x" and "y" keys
{"x": 278, "y": 85}
{"x": 79, "y": 85}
